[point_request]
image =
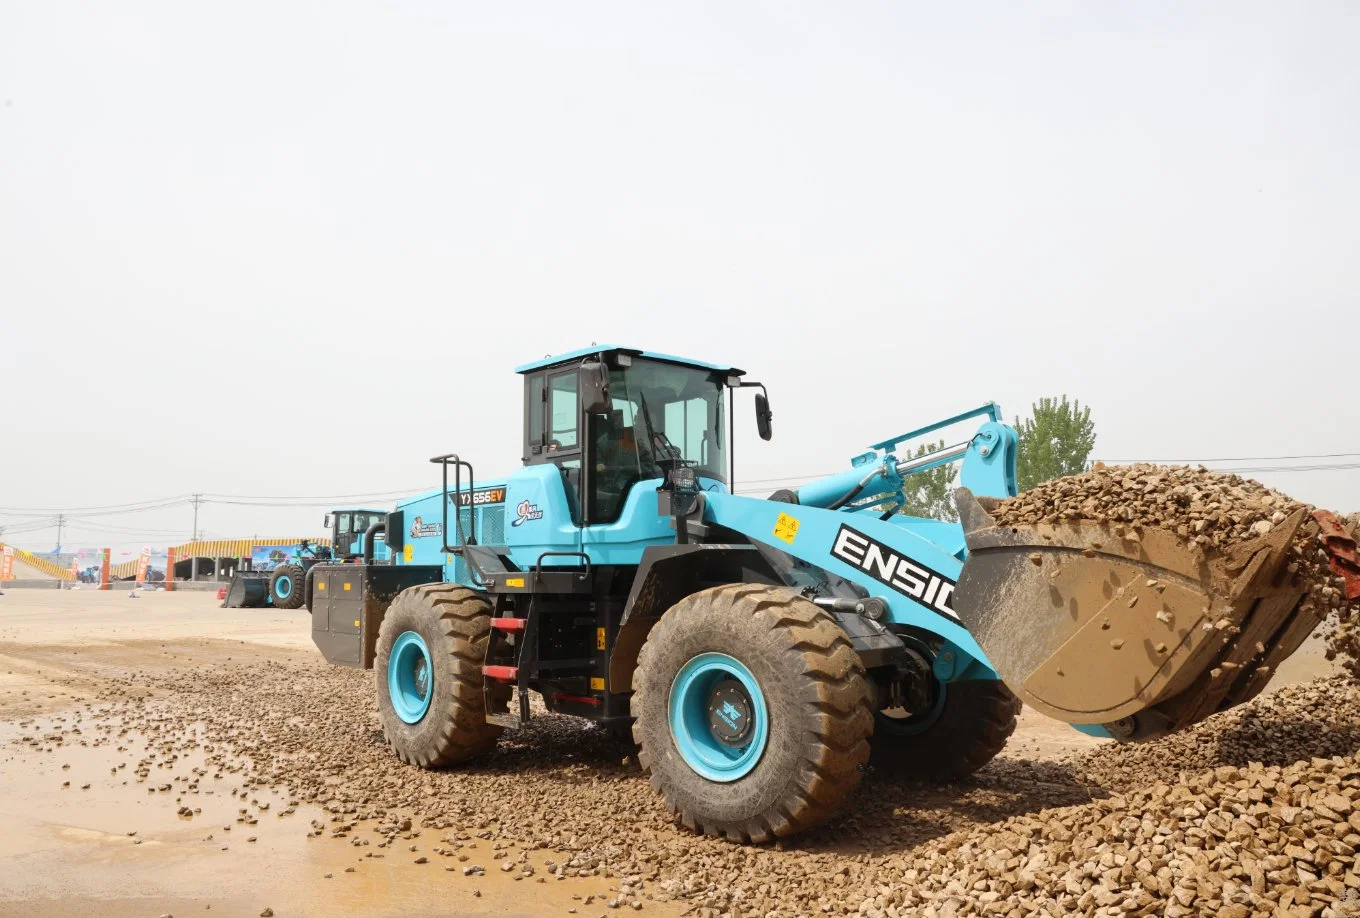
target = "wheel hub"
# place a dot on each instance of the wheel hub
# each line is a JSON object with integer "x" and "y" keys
{"x": 729, "y": 713}
{"x": 422, "y": 677}
{"x": 410, "y": 677}
{"x": 718, "y": 717}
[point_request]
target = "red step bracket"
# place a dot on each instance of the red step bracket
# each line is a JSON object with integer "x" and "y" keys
{"x": 501, "y": 673}
{"x": 1341, "y": 550}
{"x": 579, "y": 699}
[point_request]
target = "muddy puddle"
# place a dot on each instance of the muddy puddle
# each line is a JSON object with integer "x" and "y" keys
{"x": 103, "y": 820}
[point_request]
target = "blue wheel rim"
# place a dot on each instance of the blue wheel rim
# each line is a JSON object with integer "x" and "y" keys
{"x": 283, "y": 587}
{"x": 692, "y": 711}
{"x": 410, "y": 677}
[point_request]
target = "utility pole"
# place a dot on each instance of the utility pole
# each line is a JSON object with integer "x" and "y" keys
{"x": 195, "y": 500}
{"x": 61, "y": 522}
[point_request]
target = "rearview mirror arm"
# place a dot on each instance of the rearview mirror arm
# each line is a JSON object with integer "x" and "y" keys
{"x": 732, "y": 428}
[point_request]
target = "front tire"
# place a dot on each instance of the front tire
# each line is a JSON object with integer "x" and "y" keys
{"x": 752, "y": 712}
{"x": 431, "y": 647}
{"x": 286, "y": 587}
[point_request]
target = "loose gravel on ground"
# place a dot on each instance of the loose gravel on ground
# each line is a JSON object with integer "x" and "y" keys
{"x": 1253, "y": 811}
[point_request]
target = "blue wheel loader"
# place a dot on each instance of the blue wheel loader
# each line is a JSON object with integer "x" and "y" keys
{"x": 761, "y": 650}
{"x": 285, "y": 585}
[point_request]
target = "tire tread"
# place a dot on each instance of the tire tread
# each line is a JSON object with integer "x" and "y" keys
{"x": 464, "y": 619}
{"x": 835, "y": 698}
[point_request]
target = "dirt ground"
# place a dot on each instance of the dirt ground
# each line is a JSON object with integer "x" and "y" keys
{"x": 112, "y": 813}
{"x": 116, "y": 848}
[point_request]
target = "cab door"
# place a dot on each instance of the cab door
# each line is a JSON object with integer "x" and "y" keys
{"x": 543, "y": 502}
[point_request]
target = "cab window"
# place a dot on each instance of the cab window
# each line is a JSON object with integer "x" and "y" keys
{"x": 343, "y": 525}
{"x": 534, "y": 412}
{"x": 562, "y": 411}
{"x": 687, "y": 425}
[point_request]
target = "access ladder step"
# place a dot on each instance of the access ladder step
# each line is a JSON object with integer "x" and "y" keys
{"x": 508, "y": 624}
{"x": 501, "y": 673}
{"x": 509, "y": 721}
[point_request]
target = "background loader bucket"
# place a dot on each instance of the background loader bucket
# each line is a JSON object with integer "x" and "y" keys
{"x": 1135, "y": 629}
{"x": 248, "y": 590}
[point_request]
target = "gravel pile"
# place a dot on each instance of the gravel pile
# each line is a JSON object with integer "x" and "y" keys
{"x": 1250, "y": 811}
{"x": 1213, "y": 510}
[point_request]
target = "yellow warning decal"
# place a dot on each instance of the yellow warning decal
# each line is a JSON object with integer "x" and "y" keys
{"x": 346, "y": 586}
{"x": 596, "y": 684}
{"x": 515, "y": 582}
{"x": 599, "y": 639}
{"x": 321, "y": 584}
{"x": 356, "y": 623}
{"x": 786, "y": 528}
{"x": 407, "y": 553}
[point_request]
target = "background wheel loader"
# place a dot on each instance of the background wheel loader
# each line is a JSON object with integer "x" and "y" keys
{"x": 285, "y": 584}
{"x": 762, "y": 650}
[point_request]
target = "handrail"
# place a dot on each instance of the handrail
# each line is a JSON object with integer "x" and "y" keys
{"x": 479, "y": 576}
{"x": 583, "y": 575}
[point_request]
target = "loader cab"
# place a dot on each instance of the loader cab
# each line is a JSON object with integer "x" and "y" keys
{"x": 347, "y": 528}
{"x": 650, "y": 413}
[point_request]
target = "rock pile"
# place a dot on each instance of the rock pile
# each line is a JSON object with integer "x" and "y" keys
{"x": 1232, "y": 841}
{"x": 1213, "y": 510}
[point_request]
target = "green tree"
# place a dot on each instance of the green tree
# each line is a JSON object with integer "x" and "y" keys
{"x": 931, "y": 494}
{"x": 1056, "y": 440}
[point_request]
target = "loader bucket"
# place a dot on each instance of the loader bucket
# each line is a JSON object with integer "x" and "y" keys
{"x": 1134, "y": 629}
{"x": 248, "y": 590}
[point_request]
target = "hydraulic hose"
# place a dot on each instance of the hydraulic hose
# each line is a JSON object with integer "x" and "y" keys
{"x": 854, "y": 492}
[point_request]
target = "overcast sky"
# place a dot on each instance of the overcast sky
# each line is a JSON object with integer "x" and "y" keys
{"x": 296, "y": 249}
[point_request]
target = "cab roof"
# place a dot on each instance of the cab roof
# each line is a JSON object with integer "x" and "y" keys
{"x": 569, "y": 356}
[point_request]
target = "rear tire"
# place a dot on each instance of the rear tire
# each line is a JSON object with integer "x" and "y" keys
{"x": 286, "y": 587}
{"x": 972, "y": 724}
{"x": 805, "y": 703}
{"x": 431, "y": 705}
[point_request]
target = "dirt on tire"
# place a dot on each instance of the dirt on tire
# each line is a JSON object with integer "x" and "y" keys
{"x": 455, "y": 623}
{"x": 297, "y": 586}
{"x": 821, "y": 711}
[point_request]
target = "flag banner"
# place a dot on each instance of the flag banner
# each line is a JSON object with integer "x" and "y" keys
{"x": 142, "y": 564}
{"x": 86, "y": 564}
{"x": 157, "y": 563}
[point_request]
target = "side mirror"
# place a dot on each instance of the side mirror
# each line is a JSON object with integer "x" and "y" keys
{"x": 594, "y": 388}
{"x": 763, "y": 416}
{"x": 327, "y": 523}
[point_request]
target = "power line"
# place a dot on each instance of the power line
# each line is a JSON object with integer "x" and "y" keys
{"x": 133, "y": 503}
{"x": 60, "y": 517}
{"x": 1335, "y": 467}
{"x": 1237, "y": 470}
{"x": 94, "y": 513}
{"x": 1232, "y": 459}
{"x": 30, "y": 527}
{"x": 126, "y": 530}
{"x": 227, "y": 498}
